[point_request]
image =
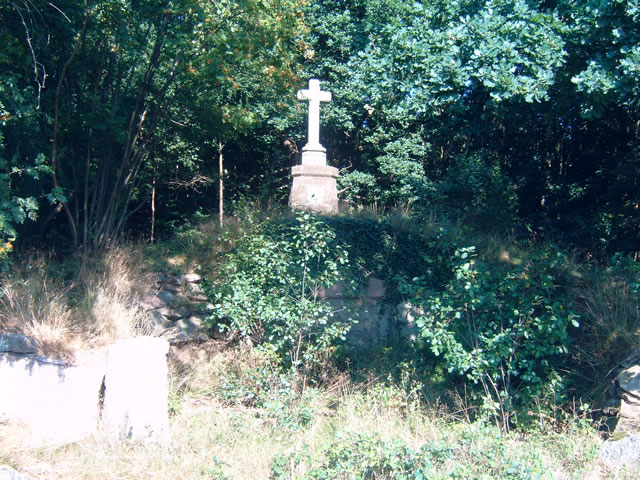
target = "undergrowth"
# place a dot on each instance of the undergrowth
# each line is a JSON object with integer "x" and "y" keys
{"x": 72, "y": 305}
{"x": 515, "y": 343}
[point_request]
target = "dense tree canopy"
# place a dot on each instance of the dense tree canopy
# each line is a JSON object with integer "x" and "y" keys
{"x": 517, "y": 113}
{"x": 127, "y": 91}
{"x": 508, "y": 114}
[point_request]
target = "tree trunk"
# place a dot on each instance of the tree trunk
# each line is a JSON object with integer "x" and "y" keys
{"x": 221, "y": 182}
{"x": 153, "y": 206}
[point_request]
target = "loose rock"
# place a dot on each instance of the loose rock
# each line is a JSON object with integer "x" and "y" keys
{"x": 8, "y": 473}
{"x": 159, "y": 322}
{"x": 169, "y": 298}
{"x": 629, "y": 381}
{"x": 191, "y": 278}
{"x": 622, "y": 450}
{"x": 17, "y": 343}
{"x": 151, "y": 302}
{"x": 194, "y": 288}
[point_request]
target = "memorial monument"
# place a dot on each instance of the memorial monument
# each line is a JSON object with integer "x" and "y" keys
{"x": 314, "y": 182}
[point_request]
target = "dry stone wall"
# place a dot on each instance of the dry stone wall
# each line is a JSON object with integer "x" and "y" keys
{"x": 176, "y": 306}
{"x": 379, "y": 321}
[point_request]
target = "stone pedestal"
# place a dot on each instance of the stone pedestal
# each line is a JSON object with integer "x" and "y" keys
{"x": 314, "y": 183}
{"x": 314, "y": 188}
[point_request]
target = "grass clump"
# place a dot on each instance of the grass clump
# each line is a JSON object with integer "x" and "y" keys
{"x": 70, "y": 306}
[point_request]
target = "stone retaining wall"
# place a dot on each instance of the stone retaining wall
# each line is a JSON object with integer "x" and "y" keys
{"x": 379, "y": 321}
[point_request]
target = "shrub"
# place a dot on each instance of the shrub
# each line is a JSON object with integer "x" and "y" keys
{"x": 270, "y": 287}
{"x": 503, "y": 326}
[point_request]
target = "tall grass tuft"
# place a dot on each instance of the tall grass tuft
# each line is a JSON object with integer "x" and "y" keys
{"x": 111, "y": 288}
{"x": 610, "y": 317}
{"x": 34, "y": 304}
{"x": 74, "y": 306}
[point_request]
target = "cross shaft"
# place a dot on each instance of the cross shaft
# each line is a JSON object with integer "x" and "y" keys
{"x": 315, "y": 96}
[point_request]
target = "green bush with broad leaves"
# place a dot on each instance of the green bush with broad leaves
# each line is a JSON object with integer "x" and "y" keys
{"x": 270, "y": 289}
{"x": 504, "y": 326}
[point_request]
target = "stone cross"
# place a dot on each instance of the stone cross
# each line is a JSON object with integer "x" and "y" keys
{"x": 315, "y": 96}
{"x": 314, "y": 182}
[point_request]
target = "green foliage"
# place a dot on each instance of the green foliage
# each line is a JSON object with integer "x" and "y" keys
{"x": 282, "y": 397}
{"x": 19, "y": 174}
{"x": 377, "y": 248}
{"x": 505, "y": 327}
{"x": 477, "y": 190}
{"x": 217, "y": 471}
{"x": 356, "y": 456}
{"x": 270, "y": 286}
{"x": 134, "y": 98}
{"x": 543, "y": 90}
{"x": 140, "y": 95}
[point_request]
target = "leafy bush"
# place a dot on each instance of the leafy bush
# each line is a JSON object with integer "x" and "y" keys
{"x": 503, "y": 326}
{"x": 270, "y": 288}
{"x": 477, "y": 453}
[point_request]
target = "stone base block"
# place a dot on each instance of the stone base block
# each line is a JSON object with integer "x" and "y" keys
{"x": 314, "y": 156}
{"x": 58, "y": 402}
{"x": 136, "y": 390}
{"x": 314, "y": 188}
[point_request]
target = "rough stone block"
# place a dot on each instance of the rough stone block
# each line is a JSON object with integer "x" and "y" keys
{"x": 191, "y": 278}
{"x": 167, "y": 297}
{"x": 17, "y": 343}
{"x": 151, "y": 302}
{"x": 376, "y": 288}
{"x": 57, "y": 401}
{"x": 136, "y": 390}
{"x": 8, "y": 473}
{"x": 629, "y": 380}
{"x": 314, "y": 188}
{"x": 158, "y": 321}
{"x": 621, "y": 450}
{"x": 334, "y": 292}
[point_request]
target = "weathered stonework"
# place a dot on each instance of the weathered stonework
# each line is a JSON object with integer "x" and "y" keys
{"x": 56, "y": 400}
{"x": 175, "y": 305}
{"x": 136, "y": 390}
{"x": 379, "y": 320}
{"x": 622, "y": 449}
{"x": 314, "y": 188}
{"x": 314, "y": 182}
{"x": 123, "y": 387}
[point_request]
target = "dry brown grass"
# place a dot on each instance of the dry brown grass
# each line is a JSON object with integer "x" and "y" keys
{"x": 65, "y": 311}
{"x": 610, "y": 328}
{"x": 111, "y": 294}
{"x": 34, "y": 304}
